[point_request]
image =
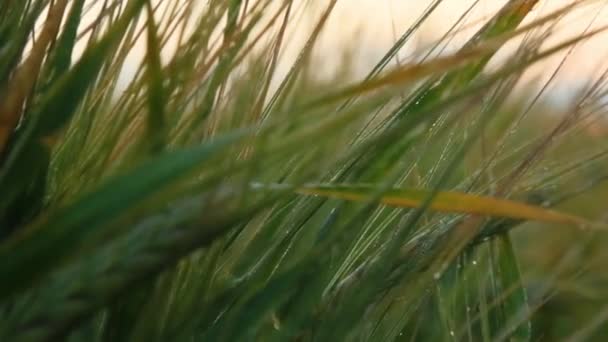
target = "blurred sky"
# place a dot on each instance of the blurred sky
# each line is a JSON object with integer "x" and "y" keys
{"x": 371, "y": 26}
{"x": 368, "y": 28}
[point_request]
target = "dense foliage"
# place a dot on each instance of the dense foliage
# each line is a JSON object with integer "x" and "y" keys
{"x": 213, "y": 197}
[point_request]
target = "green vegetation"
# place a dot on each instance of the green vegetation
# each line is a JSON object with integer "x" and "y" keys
{"x": 213, "y": 198}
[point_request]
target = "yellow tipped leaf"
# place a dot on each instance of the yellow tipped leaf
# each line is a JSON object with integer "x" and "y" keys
{"x": 447, "y": 201}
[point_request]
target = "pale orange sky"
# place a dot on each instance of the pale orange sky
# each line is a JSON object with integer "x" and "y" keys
{"x": 370, "y": 27}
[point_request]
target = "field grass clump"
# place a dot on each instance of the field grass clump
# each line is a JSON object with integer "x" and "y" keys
{"x": 169, "y": 172}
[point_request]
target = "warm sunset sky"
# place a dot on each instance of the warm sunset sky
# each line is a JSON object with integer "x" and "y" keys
{"x": 369, "y": 27}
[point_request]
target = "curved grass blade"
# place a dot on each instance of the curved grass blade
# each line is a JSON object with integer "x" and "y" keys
{"x": 25, "y": 76}
{"x": 446, "y": 201}
{"x": 150, "y": 247}
{"x": 156, "y": 93}
{"x": 15, "y": 30}
{"x": 56, "y": 237}
{"x": 246, "y": 321}
{"x": 57, "y": 107}
{"x": 61, "y": 58}
{"x": 514, "y": 306}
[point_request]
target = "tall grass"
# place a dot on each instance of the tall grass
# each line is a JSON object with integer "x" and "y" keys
{"x": 216, "y": 196}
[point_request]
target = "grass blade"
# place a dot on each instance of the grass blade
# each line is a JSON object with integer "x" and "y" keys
{"x": 57, "y": 236}
{"x": 515, "y": 305}
{"x": 447, "y": 201}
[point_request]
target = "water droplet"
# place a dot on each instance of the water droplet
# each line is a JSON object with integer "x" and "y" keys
{"x": 452, "y": 333}
{"x": 437, "y": 275}
{"x": 474, "y": 262}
